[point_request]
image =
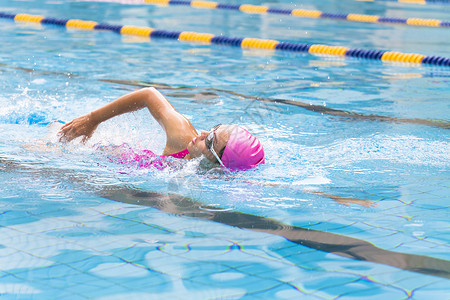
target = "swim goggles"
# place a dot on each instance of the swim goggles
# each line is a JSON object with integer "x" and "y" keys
{"x": 209, "y": 142}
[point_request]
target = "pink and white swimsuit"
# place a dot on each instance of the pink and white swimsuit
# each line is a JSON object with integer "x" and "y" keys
{"x": 126, "y": 155}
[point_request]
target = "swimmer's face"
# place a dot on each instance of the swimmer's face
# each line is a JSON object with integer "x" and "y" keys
{"x": 197, "y": 146}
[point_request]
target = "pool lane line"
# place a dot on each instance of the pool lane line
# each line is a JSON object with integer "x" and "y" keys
{"x": 311, "y": 107}
{"x": 244, "y": 43}
{"x": 174, "y": 204}
{"x": 320, "y": 240}
{"x": 303, "y": 13}
{"x": 44, "y": 72}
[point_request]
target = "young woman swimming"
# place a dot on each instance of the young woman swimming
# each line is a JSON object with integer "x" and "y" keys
{"x": 231, "y": 146}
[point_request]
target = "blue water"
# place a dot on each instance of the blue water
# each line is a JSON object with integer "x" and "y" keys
{"x": 63, "y": 236}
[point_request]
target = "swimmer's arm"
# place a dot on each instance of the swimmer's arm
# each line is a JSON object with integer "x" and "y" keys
{"x": 158, "y": 105}
{"x": 146, "y": 97}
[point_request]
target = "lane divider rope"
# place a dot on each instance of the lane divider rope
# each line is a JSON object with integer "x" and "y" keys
{"x": 302, "y": 13}
{"x": 245, "y": 43}
{"x": 258, "y": 9}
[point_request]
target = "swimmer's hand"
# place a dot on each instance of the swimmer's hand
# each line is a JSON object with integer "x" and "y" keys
{"x": 82, "y": 126}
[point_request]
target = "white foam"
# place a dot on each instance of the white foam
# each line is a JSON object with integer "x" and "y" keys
{"x": 39, "y": 81}
{"x": 17, "y": 289}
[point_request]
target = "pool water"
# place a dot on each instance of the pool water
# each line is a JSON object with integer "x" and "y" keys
{"x": 371, "y": 135}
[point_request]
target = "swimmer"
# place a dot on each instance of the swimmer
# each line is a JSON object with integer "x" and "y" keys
{"x": 231, "y": 146}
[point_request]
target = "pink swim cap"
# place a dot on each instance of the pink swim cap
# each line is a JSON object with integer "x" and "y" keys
{"x": 243, "y": 150}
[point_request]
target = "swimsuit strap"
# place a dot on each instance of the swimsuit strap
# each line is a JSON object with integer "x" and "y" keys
{"x": 180, "y": 154}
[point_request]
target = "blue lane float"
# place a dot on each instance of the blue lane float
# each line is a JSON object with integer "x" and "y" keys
{"x": 245, "y": 43}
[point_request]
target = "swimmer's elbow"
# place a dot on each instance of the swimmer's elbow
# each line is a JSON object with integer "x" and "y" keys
{"x": 151, "y": 95}
{"x": 149, "y": 91}
{"x": 156, "y": 102}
